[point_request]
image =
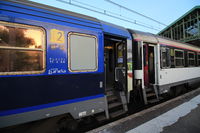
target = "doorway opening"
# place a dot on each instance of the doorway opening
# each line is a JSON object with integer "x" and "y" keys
{"x": 149, "y": 64}
{"x": 115, "y": 61}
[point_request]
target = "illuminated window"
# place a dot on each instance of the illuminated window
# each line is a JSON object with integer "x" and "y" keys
{"x": 82, "y": 50}
{"x": 191, "y": 59}
{"x": 21, "y": 49}
{"x": 179, "y": 58}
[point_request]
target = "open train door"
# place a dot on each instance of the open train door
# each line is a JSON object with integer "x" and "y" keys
{"x": 145, "y": 60}
{"x": 149, "y": 64}
{"x": 115, "y": 64}
{"x": 150, "y": 92}
{"x": 116, "y": 39}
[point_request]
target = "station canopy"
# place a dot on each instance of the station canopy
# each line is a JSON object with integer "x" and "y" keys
{"x": 186, "y": 28}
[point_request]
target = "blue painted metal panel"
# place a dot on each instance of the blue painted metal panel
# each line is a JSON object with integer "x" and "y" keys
{"x": 16, "y": 13}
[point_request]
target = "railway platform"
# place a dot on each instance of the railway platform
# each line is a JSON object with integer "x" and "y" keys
{"x": 181, "y": 114}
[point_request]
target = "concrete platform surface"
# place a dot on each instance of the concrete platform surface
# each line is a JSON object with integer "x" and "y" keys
{"x": 178, "y": 115}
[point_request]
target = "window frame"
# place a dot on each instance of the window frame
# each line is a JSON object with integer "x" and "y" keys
{"x": 175, "y": 58}
{"x": 189, "y": 65}
{"x": 198, "y": 59}
{"x": 162, "y": 50}
{"x": 43, "y": 49}
{"x": 69, "y": 51}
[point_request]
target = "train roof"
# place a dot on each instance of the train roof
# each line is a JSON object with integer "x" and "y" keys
{"x": 52, "y": 9}
{"x": 59, "y": 16}
{"x": 31, "y": 10}
{"x": 151, "y": 38}
{"x": 13, "y": 10}
{"x": 113, "y": 29}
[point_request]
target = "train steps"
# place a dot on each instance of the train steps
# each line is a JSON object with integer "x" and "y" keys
{"x": 116, "y": 105}
{"x": 151, "y": 95}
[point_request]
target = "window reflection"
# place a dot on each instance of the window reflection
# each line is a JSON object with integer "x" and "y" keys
{"x": 20, "y": 37}
{"x": 14, "y": 60}
{"x": 21, "y": 48}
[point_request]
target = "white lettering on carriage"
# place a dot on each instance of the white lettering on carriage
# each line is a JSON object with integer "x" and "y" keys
{"x": 57, "y": 60}
{"x": 56, "y": 71}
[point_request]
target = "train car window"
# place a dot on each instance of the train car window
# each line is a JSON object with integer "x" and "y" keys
{"x": 144, "y": 55}
{"x": 198, "y": 59}
{"x": 172, "y": 58}
{"x": 82, "y": 52}
{"x": 165, "y": 57}
{"x": 21, "y": 49}
{"x": 186, "y": 58}
{"x": 191, "y": 59}
{"x": 179, "y": 58}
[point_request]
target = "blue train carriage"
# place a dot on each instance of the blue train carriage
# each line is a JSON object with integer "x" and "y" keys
{"x": 51, "y": 63}
{"x": 163, "y": 66}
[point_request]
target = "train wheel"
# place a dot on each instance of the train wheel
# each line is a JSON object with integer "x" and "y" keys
{"x": 180, "y": 89}
{"x": 67, "y": 123}
{"x": 172, "y": 92}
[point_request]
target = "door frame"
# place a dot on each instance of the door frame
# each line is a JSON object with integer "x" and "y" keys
{"x": 124, "y": 41}
{"x": 146, "y": 71}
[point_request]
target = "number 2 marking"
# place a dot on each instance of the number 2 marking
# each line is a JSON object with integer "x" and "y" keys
{"x": 59, "y": 36}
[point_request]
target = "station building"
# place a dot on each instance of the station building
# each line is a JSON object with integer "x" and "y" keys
{"x": 186, "y": 28}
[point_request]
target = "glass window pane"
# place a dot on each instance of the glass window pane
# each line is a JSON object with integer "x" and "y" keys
{"x": 83, "y": 52}
{"x": 179, "y": 58}
{"x": 179, "y": 54}
{"x": 166, "y": 59}
{"x": 191, "y": 59}
{"x": 179, "y": 62}
{"x": 163, "y": 59}
{"x": 18, "y": 60}
{"x": 191, "y": 62}
{"x": 20, "y": 37}
{"x": 21, "y": 48}
{"x": 191, "y": 55}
